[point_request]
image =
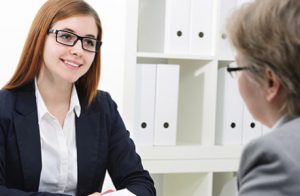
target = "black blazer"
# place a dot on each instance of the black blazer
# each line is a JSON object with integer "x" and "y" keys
{"x": 102, "y": 141}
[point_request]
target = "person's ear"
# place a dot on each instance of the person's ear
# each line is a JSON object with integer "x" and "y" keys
{"x": 272, "y": 85}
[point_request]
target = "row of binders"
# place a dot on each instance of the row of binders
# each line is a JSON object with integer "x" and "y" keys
{"x": 185, "y": 26}
{"x": 156, "y": 104}
{"x": 157, "y": 89}
{"x": 176, "y": 26}
{"x": 234, "y": 123}
{"x": 189, "y": 27}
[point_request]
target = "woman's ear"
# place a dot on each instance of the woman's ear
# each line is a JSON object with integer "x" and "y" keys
{"x": 272, "y": 85}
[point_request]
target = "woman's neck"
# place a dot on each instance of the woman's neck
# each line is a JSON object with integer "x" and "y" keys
{"x": 56, "y": 95}
{"x": 54, "y": 91}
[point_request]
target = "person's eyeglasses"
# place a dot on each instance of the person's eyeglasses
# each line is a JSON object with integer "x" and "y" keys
{"x": 233, "y": 69}
{"x": 70, "y": 39}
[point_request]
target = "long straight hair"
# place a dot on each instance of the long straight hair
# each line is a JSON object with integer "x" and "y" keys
{"x": 31, "y": 59}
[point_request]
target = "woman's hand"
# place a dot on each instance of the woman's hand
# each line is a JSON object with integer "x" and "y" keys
{"x": 103, "y": 193}
{"x": 95, "y": 194}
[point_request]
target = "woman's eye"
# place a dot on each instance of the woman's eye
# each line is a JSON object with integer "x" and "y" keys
{"x": 66, "y": 36}
{"x": 89, "y": 42}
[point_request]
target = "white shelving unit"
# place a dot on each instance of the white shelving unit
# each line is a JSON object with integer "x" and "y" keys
{"x": 195, "y": 165}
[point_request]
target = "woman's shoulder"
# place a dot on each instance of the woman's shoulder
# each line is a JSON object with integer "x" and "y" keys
{"x": 103, "y": 101}
{"x": 273, "y": 155}
{"x": 280, "y": 144}
{"x": 102, "y": 94}
{"x": 267, "y": 144}
{"x": 6, "y": 97}
{"x": 103, "y": 97}
{"x": 7, "y": 100}
{"x": 4, "y": 93}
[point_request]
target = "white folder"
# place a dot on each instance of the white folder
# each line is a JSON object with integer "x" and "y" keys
{"x": 225, "y": 50}
{"x": 177, "y": 22}
{"x": 201, "y": 27}
{"x": 145, "y": 104}
{"x": 251, "y": 128}
{"x": 166, "y": 104}
{"x": 229, "y": 110}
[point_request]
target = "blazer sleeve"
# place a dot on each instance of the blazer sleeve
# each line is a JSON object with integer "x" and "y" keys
{"x": 267, "y": 168}
{"x": 6, "y": 108}
{"x": 124, "y": 164}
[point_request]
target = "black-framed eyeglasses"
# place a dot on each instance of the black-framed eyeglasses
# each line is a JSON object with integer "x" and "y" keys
{"x": 70, "y": 39}
{"x": 233, "y": 68}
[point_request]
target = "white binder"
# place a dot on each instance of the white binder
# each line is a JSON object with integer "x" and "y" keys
{"x": 225, "y": 50}
{"x": 201, "y": 27}
{"x": 166, "y": 104}
{"x": 177, "y": 22}
{"x": 251, "y": 128}
{"x": 145, "y": 104}
{"x": 151, "y": 26}
{"x": 229, "y": 110}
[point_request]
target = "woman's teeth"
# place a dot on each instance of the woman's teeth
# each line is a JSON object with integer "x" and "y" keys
{"x": 72, "y": 64}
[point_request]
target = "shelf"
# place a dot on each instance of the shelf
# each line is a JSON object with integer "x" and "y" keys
{"x": 196, "y": 152}
{"x": 191, "y": 166}
{"x": 224, "y": 182}
{"x": 178, "y": 184}
{"x": 185, "y": 159}
{"x": 226, "y": 59}
{"x": 173, "y": 56}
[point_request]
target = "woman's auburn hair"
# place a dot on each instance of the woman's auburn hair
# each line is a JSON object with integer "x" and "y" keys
{"x": 31, "y": 59}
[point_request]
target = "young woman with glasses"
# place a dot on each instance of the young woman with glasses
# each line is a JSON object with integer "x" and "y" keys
{"x": 58, "y": 133}
{"x": 266, "y": 36}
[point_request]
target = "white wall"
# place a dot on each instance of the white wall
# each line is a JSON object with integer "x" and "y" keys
{"x": 113, "y": 17}
{"x": 15, "y": 20}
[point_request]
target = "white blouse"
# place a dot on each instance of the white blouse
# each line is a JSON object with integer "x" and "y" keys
{"x": 58, "y": 147}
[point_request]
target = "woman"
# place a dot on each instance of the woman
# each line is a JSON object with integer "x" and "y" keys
{"x": 58, "y": 134}
{"x": 266, "y": 36}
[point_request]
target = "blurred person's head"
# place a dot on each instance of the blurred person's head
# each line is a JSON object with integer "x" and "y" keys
{"x": 266, "y": 36}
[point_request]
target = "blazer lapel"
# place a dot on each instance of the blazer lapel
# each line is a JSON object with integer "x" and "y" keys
{"x": 28, "y": 137}
{"x": 87, "y": 142}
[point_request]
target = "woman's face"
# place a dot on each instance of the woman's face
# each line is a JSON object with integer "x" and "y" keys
{"x": 68, "y": 63}
{"x": 252, "y": 92}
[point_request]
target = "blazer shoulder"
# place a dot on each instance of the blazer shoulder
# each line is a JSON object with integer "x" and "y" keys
{"x": 7, "y": 100}
{"x": 280, "y": 146}
{"x": 281, "y": 141}
{"x": 270, "y": 161}
{"x": 102, "y": 95}
{"x": 260, "y": 148}
{"x": 271, "y": 146}
{"x": 103, "y": 102}
{"x": 6, "y": 94}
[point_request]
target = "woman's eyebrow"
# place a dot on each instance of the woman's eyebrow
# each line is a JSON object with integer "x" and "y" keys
{"x": 72, "y": 31}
